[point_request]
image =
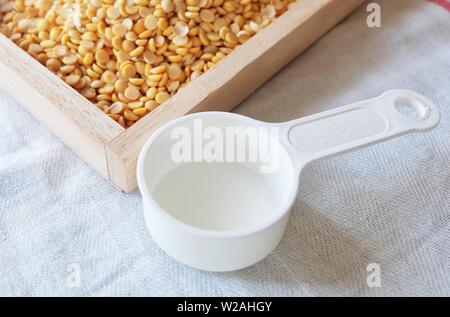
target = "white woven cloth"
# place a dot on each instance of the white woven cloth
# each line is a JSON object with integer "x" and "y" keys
{"x": 65, "y": 231}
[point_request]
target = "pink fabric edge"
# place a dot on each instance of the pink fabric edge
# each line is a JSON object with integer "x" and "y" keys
{"x": 443, "y": 3}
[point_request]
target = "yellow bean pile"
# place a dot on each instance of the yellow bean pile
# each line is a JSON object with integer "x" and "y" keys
{"x": 129, "y": 56}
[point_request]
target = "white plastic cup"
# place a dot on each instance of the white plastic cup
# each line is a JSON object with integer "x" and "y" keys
{"x": 228, "y": 216}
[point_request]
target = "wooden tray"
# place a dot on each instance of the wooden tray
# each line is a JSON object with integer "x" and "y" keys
{"x": 112, "y": 150}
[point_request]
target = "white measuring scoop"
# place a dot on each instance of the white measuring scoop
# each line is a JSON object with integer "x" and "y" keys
{"x": 226, "y": 214}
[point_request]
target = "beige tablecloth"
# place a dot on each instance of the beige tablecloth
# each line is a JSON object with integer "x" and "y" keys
{"x": 65, "y": 231}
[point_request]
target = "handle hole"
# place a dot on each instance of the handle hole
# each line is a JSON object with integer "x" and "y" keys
{"x": 410, "y": 108}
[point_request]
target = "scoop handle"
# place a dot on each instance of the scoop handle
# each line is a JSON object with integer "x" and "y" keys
{"x": 360, "y": 124}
